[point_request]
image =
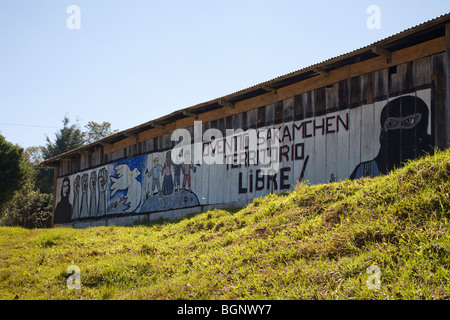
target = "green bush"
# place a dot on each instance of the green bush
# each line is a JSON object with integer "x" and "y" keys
{"x": 28, "y": 208}
{"x": 14, "y": 169}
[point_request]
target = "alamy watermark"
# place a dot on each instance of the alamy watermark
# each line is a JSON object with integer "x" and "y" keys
{"x": 73, "y": 22}
{"x": 374, "y": 20}
{"x": 74, "y": 280}
{"x": 238, "y": 147}
{"x": 374, "y": 280}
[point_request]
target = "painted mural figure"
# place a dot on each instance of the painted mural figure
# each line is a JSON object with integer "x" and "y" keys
{"x": 404, "y": 136}
{"x": 177, "y": 173}
{"x": 76, "y": 198}
{"x": 154, "y": 173}
{"x": 102, "y": 178}
{"x": 63, "y": 211}
{"x": 187, "y": 166}
{"x": 127, "y": 180}
{"x": 84, "y": 209}
{"x": 167, "y": 187}
{"x": 93, "y": 197}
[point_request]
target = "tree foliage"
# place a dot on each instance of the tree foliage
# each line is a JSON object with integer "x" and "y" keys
{"x": 33, "y": 155}
{"x": 42, "y": 176}
{"x": 69, "y": 137}
{"x": 96, "y": 131}
{"x": 13, "y": 169}
{"x": 28, "y": 208}
{"x": 26, "y": 188}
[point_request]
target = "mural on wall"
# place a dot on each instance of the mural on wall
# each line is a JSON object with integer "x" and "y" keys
{"x": 153, "y": 175}
{"x": 76, "y": 199}
{"x": 404, "y": 136}
{"x": 163, "y": 190}
{"x": 63, "y": 209}
{"x": 102, "y": 186}
{"x": 368, "y": 140}
{"x": 167, "y": 186}
{"x": 126, "y": 185}
{"x": 84, "y": 209}
{"x": 88, "y": 197}
{"x": 93, "y": 194}
{"x": 307, "y": 150}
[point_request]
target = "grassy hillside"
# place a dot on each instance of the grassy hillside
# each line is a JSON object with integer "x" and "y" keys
{"x": 314, "y": 243}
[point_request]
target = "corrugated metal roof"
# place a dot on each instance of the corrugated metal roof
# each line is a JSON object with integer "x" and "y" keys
{"x": 401, "y": 39}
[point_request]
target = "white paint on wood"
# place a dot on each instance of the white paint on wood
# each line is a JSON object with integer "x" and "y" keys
{"x": 343, "y": 147}
{"x": 425, "y": 95}
{"x": 354, "y": 138}
{"x": 367, "y": 132}
{"x": 320, "y": 150}
{"x": 330, "y": 152}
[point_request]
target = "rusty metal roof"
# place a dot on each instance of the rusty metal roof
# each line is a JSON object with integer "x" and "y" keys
{"x": 422, "y": 32}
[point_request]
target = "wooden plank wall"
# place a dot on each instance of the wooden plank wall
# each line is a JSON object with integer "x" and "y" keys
{"x": 325, "y": 153}
{"x": 361, "y": 89}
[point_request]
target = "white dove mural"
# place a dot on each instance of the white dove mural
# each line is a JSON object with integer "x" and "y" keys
{"x": 126, "y": 179}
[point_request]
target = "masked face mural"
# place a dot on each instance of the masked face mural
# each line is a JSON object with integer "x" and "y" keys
{"x": 404, "y": 123}
{"x": 404, "y": 136}
{"x": 63, "y": 211}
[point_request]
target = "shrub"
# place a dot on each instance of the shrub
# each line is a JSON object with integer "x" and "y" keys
{"x": 28, "y": 208}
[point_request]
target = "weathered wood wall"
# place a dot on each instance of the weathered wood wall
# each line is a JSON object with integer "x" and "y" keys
{"x": 340, "y": 114}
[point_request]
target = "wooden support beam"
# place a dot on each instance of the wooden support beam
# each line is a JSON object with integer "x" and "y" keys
{"x": 88, "y": 152}
{"x": 103, "y": 143}
{"x": 53, "y": 165}
{"x": 321, "y": 71}
{"x": 225, "y": 103}
{"x": 157, "y": 125}
{"x": 69, "y": 158}
{"x": 269, "y": 88}
{"x": 383, "y": 52}
{"x": 190, "y": 114}
{"x": 130, "y": 135}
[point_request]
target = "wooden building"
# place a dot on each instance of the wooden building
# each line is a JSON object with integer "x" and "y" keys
{"x": 359, "y": 114}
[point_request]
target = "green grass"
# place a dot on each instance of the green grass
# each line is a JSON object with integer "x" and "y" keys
{"x": 314, "y": 243}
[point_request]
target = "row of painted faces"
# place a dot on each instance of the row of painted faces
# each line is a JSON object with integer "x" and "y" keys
{"x": 121, "y": 187}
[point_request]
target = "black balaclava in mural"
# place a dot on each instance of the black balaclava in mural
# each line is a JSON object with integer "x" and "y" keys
{"x": 63, "y": 211}
{"x": 404, "y": 124}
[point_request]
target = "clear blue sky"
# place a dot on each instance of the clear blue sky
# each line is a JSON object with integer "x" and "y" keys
{"x": 133, "y": 61}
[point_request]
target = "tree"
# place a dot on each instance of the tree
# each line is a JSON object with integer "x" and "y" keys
{"x": 13, "y": 169}
{"x": 68, "y": 138}
{"x": 33, "y": 155}
{"x": 26, "y": 189}
{"x": 28, "y": 208}
{"x": 42, "y": 176}
{"x": 96, "y": 131}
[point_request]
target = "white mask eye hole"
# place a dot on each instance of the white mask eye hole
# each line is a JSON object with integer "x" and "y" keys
{"x": 391, "y": 124}
{"x": 407, "y": 122}
{"x": 411, "y": 121}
